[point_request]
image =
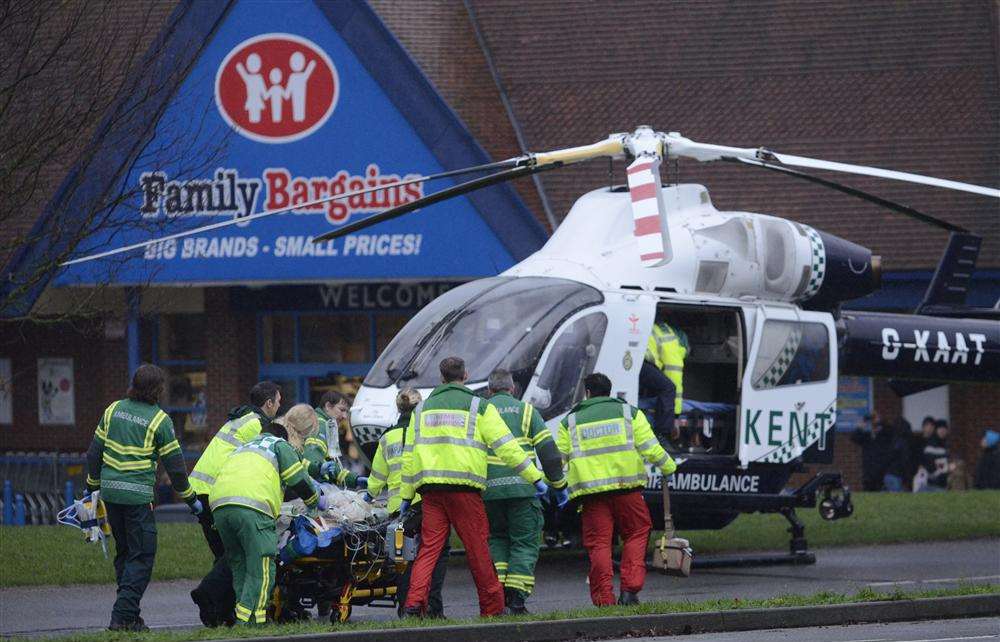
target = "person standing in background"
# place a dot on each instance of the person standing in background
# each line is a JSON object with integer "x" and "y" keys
{"x": 935, "y": 458}
{"x": 988, "y": 466}
{"x": 897, "y": 465}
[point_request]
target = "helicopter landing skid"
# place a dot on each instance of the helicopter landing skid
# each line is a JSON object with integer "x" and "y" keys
{"x": 798, "y": 554}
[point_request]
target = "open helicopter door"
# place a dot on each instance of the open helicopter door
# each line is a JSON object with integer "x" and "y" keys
{"x": 789, "y": 392}
{"x": 609, "y": 338}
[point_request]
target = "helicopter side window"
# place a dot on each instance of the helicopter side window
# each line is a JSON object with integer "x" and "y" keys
{"x": 572, "y": 357}
{"x": 791, "y": 352}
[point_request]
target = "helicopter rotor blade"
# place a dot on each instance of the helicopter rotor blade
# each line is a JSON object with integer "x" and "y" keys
{"x": 853, "y": 191}
{"x": 443, "y": 195}
{"x": 510, "y": 162}
{"x": 680, "y": 146}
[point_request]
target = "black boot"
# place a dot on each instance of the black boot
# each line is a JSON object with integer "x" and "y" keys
{"x": 628, "y": 598}
{"x": 514, "y": 601}
{"x": 137, "y": 625}
{"x": 207, "y": 612}
{"x": 413, "y": 611}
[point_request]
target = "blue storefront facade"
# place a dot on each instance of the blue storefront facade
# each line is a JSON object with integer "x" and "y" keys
{"x": 279, "y": 107}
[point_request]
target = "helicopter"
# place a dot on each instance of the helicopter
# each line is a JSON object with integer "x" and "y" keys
{"x": 757, "y": 295}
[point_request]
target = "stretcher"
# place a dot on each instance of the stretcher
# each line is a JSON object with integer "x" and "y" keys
{"x": 351, "y": 565}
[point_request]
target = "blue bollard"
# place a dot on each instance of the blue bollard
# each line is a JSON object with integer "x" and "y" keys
{"x": 68, "y": 495}
{"x": 19, "y": 510}
{"x": 8, "y": 503}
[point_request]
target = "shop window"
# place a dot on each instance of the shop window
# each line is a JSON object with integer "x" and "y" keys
{"x": 335, "y": 338}
{"x": 278, "y": 338}
{"x": 388, "y": 326}
{"x": 181, "y": 337}
{"x": 791, "y": 353}
{"x": 185, "y": 398}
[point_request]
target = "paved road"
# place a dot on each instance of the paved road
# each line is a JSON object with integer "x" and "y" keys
{"x": 977, "y": 629}
{"x": 561, "y": 585}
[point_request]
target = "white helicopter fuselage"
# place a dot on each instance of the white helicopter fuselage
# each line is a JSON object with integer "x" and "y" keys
{"x": 776, "y": 364}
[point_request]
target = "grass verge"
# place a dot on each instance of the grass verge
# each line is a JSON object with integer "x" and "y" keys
{"x": 650, "y": 608}
{"x": 31, "y": 552}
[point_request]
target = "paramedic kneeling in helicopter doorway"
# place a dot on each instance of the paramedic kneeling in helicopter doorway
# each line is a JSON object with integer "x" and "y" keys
{"x": 121, "y": 463}
{"x": 662, "y": 377}
{"x": 444, "y": 459}
{"x": 214, "y": 595}
{"x": 604, "y": 441}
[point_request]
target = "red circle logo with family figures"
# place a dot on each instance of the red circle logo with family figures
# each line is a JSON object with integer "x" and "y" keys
{"x": 276, "y": 88}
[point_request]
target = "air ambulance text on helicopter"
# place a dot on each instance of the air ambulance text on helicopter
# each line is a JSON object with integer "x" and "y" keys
{"x": 758, "y": 297}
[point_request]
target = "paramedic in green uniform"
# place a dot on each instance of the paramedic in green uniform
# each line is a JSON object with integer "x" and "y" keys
{"x": 514, "y": 513}
{"x": 246, "y": 501}
{"x": 132, "y": 435}
{"x": 322, "y": 450}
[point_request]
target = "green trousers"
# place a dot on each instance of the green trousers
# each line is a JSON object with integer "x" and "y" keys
{"x": 515, "y": 530}
{"x": 251, "y": 542}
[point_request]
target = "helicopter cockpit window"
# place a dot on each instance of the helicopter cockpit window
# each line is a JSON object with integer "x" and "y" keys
{"x": 498, "y": 322}
{"x": 572, "y": 357}
{"x": 791, "y": 353}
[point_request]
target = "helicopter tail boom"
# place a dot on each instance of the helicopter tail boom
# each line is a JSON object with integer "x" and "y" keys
{"x": 907, "y": 346}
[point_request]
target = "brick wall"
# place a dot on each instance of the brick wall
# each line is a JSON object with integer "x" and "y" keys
{"x": 231, "y": 356}
{"x": 100, "y": 373}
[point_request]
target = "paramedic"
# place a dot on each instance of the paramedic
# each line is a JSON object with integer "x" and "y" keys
{"x": 212, "y": 595}
{"x": 514, "y": 513}
{"x": 662, "y": 375}
{"x": 604, "y": 441}
{"x": 322, "y": 450}
{"x": 444, "y": 459}
{"x": 246, "y": 501}
{"x": 132, "y": 435}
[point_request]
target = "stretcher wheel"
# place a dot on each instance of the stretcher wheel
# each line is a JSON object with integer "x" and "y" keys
{"x": 340, "y": 614}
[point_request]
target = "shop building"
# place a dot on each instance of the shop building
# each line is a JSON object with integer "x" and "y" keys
{"x": 912, "y": 86}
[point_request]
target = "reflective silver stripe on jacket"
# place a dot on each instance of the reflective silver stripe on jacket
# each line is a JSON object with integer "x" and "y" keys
{"x": 473, "y": 418}
{"x": 262, "y": 452}
{"x": 662, "y": 461}
{"x": 229, "y": 438}
{"x": 649, "y": 443}
{"x": 454, "y": 441}
{"x": 573, "y": 435}
{"x": 628, "y": 480}
{"x": 447, "y": 474}
{"x": 500, "y": 442}
{"x": 131, "y": 487}
{"x": 672, "y": 368}
{"x": 243, "y": 501}
{"x": 408, "y": 445}
{"x": 379, "y": 476}
{"x": 497, "y": 482}
{"x": 197, "y": 474}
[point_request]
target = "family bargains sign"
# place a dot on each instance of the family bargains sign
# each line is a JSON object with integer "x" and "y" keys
{"x": 289, "y": 116}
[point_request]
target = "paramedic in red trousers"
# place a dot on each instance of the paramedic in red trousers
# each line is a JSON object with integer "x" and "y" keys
{"x": 444, "y": 459}
{"x": 604, "y": 441}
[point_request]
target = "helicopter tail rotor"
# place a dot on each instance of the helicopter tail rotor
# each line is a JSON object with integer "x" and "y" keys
{"x": 649, "y": 213}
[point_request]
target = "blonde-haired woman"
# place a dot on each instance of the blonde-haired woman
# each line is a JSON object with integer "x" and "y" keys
{"x": 246, "y": 500}
{"x": 387, "y": 472}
